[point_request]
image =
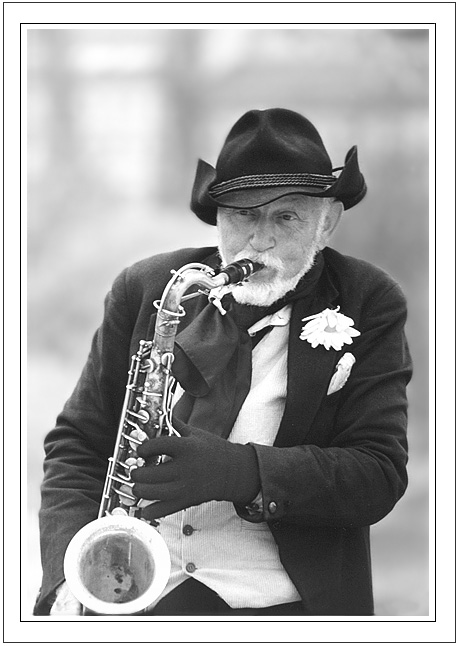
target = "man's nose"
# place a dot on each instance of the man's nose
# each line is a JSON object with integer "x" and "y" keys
{"x": 262, "y": 237}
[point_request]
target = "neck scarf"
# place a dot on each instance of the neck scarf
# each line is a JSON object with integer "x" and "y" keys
{"x": 213, "y": 357}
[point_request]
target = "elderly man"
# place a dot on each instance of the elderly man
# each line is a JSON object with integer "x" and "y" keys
{"x": 290, "y": 407}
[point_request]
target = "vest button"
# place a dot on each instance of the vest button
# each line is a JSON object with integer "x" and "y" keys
{"x": 188, "y": 530}
{"x": 190, "y": 568}
{"x": 272, "y": 507}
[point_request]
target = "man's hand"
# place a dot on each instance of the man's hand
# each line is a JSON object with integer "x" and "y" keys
{"x": 203, "y": 467}
{"x": 66, "y": 603}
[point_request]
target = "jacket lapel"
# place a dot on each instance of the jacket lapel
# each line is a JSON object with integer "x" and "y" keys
{"x": 309, "y": 372}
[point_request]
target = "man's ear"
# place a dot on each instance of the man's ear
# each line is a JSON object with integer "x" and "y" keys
{"x": 331, "y": 221}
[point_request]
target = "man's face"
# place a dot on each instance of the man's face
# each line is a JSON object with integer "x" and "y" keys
{"x": 285, "y": 235}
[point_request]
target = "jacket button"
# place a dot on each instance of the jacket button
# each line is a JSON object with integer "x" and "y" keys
{"x": 272, "y": 507}
{"x": 190, "y": 568}
{"x": 188, "y": 530}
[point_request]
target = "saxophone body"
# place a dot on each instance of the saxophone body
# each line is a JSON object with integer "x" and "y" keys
{"x": 119, "y": 564}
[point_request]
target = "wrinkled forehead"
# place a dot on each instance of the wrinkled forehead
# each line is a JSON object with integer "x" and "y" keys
{"x": 299, "y": 201}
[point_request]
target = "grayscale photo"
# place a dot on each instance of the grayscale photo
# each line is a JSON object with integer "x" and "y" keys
{"x": 228, "y": 322}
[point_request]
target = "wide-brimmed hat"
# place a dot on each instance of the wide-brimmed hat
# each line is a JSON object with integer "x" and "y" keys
{"x": 269, "y": 154}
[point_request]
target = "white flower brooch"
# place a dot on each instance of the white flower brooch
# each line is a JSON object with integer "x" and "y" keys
{"x": 328, "y": 328}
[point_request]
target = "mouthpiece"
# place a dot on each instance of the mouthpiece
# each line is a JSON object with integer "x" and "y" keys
{"x": 239, "y": 270}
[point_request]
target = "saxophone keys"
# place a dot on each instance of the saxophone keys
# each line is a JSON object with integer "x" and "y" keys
{"x": 125, "y": 496}
{"x": 167, "y": 359}
{"x": 136, "y": 437}
{"x": 149, "y": 365}
{"x": 134, "y": 463}
{"x": 118, "y": 511}
{"x": 142, "y": 415}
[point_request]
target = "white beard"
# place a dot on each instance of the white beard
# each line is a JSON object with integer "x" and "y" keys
{"x": 265, "y": 294}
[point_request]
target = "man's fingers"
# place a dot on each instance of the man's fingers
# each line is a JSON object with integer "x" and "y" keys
{"x": 163, "y": 492}
{"x": 160, "y": 446}
{"x": 165, "y": 472}
{"x": 182, "y": 429}
{"x": 161, "y": 508}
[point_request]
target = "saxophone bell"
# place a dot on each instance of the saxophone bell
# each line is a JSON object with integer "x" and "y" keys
{"x": 117, "y": 565}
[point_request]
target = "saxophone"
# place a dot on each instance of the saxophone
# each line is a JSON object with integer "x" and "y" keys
{"x": 119, "y": 564}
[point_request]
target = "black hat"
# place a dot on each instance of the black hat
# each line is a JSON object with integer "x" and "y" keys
{"x": 269, "y": 154}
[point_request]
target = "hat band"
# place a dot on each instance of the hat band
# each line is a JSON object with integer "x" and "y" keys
{"x": 273, "y": 179}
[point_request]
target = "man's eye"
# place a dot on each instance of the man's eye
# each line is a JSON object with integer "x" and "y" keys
{"x": 288, "y": 216}
{"x": 245, "y": 213}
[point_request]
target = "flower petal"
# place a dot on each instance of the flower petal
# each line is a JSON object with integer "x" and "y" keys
{"x": 313, "y": 316}
{"x": 315, "y": 337}
{"x": 314, "y": 325}
{"x": 332, "y": 319}
{"x": 328, "y": 340}
{"x": 337, "y": 342}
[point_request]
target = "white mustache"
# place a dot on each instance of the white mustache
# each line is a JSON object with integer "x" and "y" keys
{"x": 271, "y": 262}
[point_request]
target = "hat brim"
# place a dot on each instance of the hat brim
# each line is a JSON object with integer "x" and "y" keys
{"x": 349, "y": 188}
{"x": 251, "y": 198}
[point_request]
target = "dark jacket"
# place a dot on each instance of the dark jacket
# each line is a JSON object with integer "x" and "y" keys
{"x": 339, "y": 461}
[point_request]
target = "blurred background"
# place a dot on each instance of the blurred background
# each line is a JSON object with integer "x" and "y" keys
{"x": 117, "y": 119}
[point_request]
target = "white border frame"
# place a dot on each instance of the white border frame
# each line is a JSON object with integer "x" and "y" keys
{"x": 438, "y": 629}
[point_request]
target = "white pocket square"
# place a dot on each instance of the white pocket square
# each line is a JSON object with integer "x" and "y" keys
{"x": 342, "y": 372}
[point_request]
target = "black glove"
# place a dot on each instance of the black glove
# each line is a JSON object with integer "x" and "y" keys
{"x": 203, "y": 467}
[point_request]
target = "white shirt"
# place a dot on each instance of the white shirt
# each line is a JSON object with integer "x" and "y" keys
{"x": 237, "y": 559}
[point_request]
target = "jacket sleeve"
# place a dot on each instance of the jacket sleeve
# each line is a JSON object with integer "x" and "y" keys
{"x": 354, "y": 470}
{"x": 77, "y": 449}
